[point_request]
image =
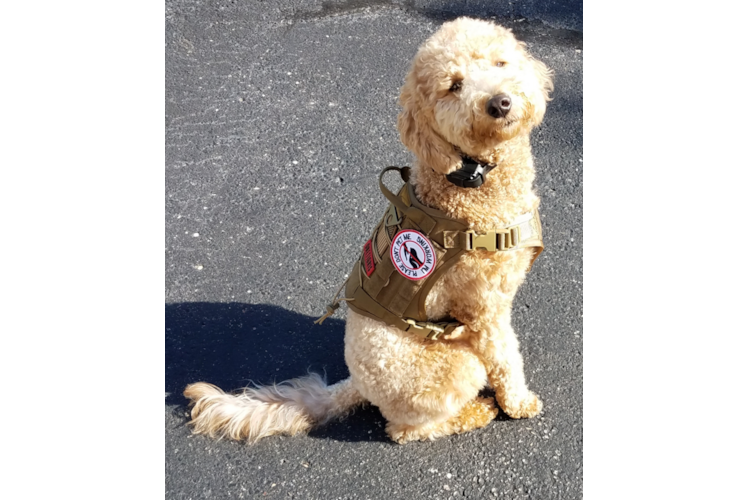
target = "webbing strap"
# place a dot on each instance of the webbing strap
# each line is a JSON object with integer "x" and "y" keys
{"x": 425, "y": 329}
{"x": 394, "y": 199}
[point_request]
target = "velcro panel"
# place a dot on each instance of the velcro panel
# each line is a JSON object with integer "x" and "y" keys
{"x": 399, "y": 293}
{"x": 425, "y": 223}
{"x": 379, "y": 278}
{"x": 383, "y": 243}
{"x": 363, "y": 304}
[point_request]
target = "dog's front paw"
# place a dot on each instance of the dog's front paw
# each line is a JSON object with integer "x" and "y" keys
{"x": 526, "y": 408}
{"x": 402, "y": 434}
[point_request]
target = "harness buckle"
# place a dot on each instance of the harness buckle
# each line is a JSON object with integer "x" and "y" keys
{"x": 436, "y": 329}
{"x": 502, "y": 239}
{"x": 485, "y": 241}
{"x": 509, "y": 238}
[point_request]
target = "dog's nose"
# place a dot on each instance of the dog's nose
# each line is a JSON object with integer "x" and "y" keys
{"x": 499, "y": 105}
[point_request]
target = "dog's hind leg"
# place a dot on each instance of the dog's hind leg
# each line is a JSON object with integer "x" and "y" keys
{"x": 474, "y": 415}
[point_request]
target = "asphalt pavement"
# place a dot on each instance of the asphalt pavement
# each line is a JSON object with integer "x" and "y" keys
{"x": 279, "y": 116}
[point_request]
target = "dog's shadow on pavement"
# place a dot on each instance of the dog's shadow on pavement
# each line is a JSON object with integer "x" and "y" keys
{"x": 233, "y": 345}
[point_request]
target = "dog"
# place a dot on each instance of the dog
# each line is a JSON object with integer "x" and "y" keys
{"x": 473, "y": 91}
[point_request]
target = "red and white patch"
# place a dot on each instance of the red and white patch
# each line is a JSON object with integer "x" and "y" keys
{"x": 368, "y": 259}
{"x": 412, "y": 254}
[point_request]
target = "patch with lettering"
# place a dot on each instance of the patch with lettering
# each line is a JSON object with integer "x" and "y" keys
{"x": 368, "y": 259}
{"x": 412, "y": 254}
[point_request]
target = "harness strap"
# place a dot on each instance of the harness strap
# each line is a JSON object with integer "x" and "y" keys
{"x": 404, "y": 175}
{"x": 375, "y": 311}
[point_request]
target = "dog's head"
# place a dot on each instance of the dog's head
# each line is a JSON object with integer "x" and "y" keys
{"x": 471, "y": 85}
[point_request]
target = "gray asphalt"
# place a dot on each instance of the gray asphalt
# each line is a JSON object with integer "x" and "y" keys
{"x": 276, "y": 113}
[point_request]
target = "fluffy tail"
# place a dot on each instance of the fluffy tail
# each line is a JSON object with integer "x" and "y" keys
{"x": 287, "y": 408}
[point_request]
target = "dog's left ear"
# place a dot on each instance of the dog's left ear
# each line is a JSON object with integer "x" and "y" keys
{"x": 544, "y": 86}
{"x": 543, "y": 82}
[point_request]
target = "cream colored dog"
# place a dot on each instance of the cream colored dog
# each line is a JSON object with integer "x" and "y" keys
{"x": 472, "y": 89}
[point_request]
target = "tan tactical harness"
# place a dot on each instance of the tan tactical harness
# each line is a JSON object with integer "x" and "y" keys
{"x": 375, "y": 288}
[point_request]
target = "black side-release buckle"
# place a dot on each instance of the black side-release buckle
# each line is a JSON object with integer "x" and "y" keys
{"x": 471, "y": 175}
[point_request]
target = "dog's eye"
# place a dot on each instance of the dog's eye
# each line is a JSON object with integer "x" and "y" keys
{"x": 501, "y": 64}
{"x": 456, "y": 86}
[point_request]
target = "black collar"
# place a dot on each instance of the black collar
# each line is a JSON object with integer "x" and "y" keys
{"x": 472, "y": 174}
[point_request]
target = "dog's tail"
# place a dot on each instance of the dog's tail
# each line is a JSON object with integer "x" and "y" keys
{"x": 290, "y": 407}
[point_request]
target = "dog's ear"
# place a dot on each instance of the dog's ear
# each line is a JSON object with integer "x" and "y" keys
{"x": 544, "y": 78}
{"x": 417, "y": 133}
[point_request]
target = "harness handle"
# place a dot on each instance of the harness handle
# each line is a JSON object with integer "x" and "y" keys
{"x": 394, "y": 199}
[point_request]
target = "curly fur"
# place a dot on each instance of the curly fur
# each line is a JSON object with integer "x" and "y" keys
{"x": 427, "y": 389}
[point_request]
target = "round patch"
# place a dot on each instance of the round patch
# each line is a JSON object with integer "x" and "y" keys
{"x": 412, "y": 254}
